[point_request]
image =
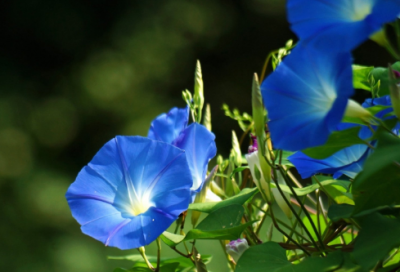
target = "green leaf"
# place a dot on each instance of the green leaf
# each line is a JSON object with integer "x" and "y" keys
{"x": 361, "y": 77}
{"x": 378, "y": 184}
{"x": 260, "y": 258}
{"x": 337, "y": 212}
{"x": 376, "y": 109}
{"x": 311, "y": 188}
{"x": 272, "y": 258}
{"x": 222, "y": 218}
{"x": 185, "y": 264}
{"x": 225, "y": 234}
{"x": 336, "y": 141}
{"x": 171, "y": 239}
{"x": 240, "y": 199}
{"x": 222, "y": 224}
{"x": 348, "y": 265}
{"x": 382, "y": 75}
{"x": 340, "y": 194}
{"x": 391, "y": 268}
{"x": 353, "y": 120}
{"x": 327, "y": 264}
{"x": 395, "y": 259}
{"x": 377, "y": 237}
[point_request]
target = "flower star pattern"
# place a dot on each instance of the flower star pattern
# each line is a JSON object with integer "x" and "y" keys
{"x": 195, "y": 139}
{"x": 131, "y": 191}
{"x": 306, "y": 97}
{"x": 340, "y": 24}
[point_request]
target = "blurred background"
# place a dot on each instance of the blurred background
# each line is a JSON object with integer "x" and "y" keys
{"x": 73, "y": 74}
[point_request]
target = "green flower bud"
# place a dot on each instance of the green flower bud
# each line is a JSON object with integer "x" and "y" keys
{"x": 353, "y": 109}
{"x": 198, "y": 97}
{"x": 380, "y": 38}
{"x": 261, "y": 174}
{"x": 207, "y": 117}
{"x": 258, "y": 113}
{"x": 279, "y": 198}
{"x": 236, "y": 153}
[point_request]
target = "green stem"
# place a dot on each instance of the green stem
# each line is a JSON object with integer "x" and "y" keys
{"x": 299, "y": 214}
{"x": 298, "y": 184}
{"x": 231, "y": 264}
{"x": 293, "y": 223}
{"x": 142, "y": 252}
{"x": 323, "y": 189}
{"x": 291, "y": 229}
{"x": 284, "y": 233}
{"x": 324, "y": 213}
{"x": 303, "y": 208}
{"x": 257, "y": 231}
{"x": 158, "y": 241}
{"x": 318, "y": 208}
{"x": 270, "y": 232}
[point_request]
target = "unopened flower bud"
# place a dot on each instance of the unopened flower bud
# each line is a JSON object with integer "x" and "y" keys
{"x": 236, "y": 248}
{"x": 353, "y": 109}
{"x": 258, "y": 112}
{"x": 380, "y": 38}
{"x": 254, "y": 147}
{"x": 261, "y": 174}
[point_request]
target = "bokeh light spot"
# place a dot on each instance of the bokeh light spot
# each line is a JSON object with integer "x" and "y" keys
{"x": 15, "y": 153}
{"x": 107, "y": 76}
{"x": 54, "y": 122}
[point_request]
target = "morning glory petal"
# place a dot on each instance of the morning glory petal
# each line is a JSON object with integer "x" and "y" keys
{"x": 345, "y": 161}
{"x": 339, "y": 25}
{"x": 199, "y": 145}
{"x": 348, "y": 161}
{"x": 167, "y": 126}
{"x": 142, "y": 229}
{"x": 114, "y": 196}
{"x": 306, "y": 97}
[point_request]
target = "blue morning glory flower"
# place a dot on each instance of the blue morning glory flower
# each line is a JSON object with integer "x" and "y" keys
{"x": 197, "y": 141}
{"x": 348, "y": 161}
{"x": 340, "y": 24}
{"x": 306, "y": 97}
{"x": 131, "y": 191}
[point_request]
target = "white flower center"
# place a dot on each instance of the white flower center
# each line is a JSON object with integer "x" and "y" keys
{"x": 361, "y": 11}
{"x": 139, "y": 207}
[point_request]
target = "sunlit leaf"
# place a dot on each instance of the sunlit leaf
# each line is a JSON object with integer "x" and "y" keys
{"x": 209, "y": 207}
{"x": 361, "y": 77}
